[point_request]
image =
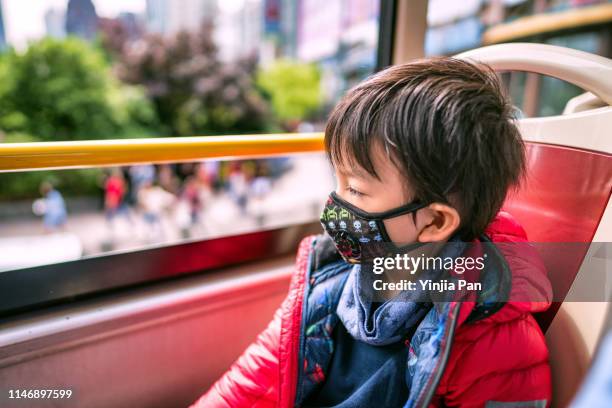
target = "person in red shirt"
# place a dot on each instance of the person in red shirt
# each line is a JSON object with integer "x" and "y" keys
{"x": 115, "y": 190}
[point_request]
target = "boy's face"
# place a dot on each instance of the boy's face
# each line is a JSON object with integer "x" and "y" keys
{"x": 372, "y": 195}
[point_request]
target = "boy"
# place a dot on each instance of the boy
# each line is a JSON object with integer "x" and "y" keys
{"x": 424, "y": 152}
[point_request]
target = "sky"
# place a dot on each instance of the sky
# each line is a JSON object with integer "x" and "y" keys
{"x": 25, "y": 19}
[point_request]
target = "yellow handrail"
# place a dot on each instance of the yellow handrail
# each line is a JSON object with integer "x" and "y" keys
{"x": 93, "y": 153}
{"x": 548, "y": 23}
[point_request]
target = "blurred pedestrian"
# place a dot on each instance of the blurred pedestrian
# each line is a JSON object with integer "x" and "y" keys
{"x": 189, "y": 210}
{"x": 115, "y": 190}
{"x": 192, "y": 195}
{"x": 153, "y": 201}
{"x": 52, "y": 207}
{"x": 208, "y": 174}
{"x": 260, "y": 188}
{"x": 238, "y": 187}
{"x": 139, "y": 175}
{"x": 167, "y": 179}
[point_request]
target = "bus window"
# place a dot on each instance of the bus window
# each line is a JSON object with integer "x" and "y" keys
{"x": 454, "y": 27}
{"x": 91, "y": 70}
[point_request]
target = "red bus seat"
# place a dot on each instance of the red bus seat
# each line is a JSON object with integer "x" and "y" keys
{"x": 561, "y": 201}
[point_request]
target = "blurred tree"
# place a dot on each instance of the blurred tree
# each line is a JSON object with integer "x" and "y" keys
{"x": 294, "y": 88}
{"x": 63, "y": 90}
{"x": 117, "y": 33}
{"x": 193, "y": 91}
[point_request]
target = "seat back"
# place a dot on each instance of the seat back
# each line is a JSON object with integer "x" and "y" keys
{"x": 566, "y": 197}
{"x": 562, "y": 200}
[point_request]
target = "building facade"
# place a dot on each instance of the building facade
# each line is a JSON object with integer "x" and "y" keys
{"x": 167, "y": 17}
{"x": 82, "y": 19}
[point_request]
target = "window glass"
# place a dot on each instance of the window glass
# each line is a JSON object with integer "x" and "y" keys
{"x": 555, "y": 93}
{"x": 454, "y": 27}
{"x": 111, "y": 69}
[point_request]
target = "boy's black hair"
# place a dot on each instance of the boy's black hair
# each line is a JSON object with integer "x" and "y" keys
{"x": 446, "y": 124}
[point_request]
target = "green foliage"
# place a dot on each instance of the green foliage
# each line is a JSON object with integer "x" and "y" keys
{"x": 294, "y": 88}
{"x": 134, "y": 113}
{"x": 64, "y": 90}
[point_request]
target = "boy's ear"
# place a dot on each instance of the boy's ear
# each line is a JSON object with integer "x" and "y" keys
{"x": 441, "y": 221}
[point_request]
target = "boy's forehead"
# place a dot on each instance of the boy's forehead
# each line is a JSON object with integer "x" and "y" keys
{"x": 379, "y": 158}
{"x": 352, "y": 169}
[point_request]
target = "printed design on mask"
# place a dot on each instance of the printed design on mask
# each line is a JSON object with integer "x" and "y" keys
{"x": 351, "y": 227}
{"x": 348, "y": 248}
{"x": 348, "y": 230}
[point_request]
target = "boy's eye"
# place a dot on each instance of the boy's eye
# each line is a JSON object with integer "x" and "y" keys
{"x": 354, "y": 192}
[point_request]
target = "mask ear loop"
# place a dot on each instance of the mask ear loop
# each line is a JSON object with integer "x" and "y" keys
{"x": 444, "y": 194}
{"x": 383, "y": 227}
{"x": 414, "y": 213}
{"x": 414, "y": 216}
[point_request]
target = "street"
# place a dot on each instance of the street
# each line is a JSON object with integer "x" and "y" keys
{"x": 288, "y": 202}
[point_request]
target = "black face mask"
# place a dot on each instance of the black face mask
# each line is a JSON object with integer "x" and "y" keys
{"x": 354, "y": 230}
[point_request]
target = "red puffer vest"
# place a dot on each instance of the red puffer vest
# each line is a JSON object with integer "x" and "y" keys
{"x": 500, "y": 360}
